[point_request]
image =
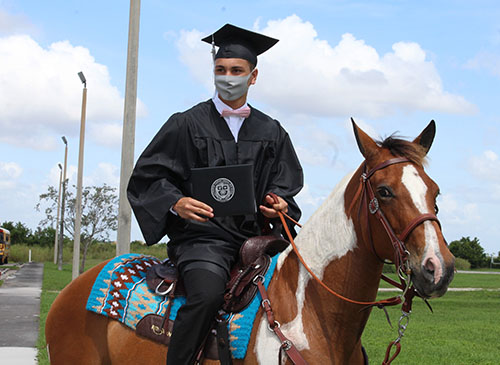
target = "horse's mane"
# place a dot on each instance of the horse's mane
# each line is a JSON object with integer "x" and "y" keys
{"x": 403, "y": 148}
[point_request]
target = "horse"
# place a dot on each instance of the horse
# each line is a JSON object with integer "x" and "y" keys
{"x": 344, "y": 245}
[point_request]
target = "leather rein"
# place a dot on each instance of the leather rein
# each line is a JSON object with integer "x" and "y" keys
{"x": 372, "y": 206}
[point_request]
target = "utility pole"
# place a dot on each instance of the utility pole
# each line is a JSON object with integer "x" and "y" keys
{"x": 63, "y": 201}
{"x": 78, "y": 205}
{"x": 56, "y": 239}
{"x": 128, "y": 139}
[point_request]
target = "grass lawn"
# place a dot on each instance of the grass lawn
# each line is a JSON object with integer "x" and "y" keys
{"x": 464, "y": 328}
{"x": 461, "y": 280}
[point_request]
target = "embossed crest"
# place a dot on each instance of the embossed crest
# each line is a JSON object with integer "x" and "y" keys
{"x": 222, "y": 190}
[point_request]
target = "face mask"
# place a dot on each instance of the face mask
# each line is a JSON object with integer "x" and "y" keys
{"x": 231, "y": 87}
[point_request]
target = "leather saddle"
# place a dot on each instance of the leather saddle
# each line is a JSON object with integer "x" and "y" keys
{"x": 254, "y": 260}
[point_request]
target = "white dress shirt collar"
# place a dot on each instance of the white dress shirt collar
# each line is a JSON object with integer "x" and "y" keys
{"x": 234, "y": 122}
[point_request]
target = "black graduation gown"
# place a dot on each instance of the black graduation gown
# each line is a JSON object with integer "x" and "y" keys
{"x": 200, "y": 137}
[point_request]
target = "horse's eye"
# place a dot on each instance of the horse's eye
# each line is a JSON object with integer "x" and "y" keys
{"x": 436, "y": 208}
{"x": 384, "y": 192}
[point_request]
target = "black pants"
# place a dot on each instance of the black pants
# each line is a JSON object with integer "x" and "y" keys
{"x": 204, "y": 297}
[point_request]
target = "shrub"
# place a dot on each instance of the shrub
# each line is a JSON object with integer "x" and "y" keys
{"x": 462, "y": 264}
{"x": 20, "y": 253}
{"x": 98, "y": 251}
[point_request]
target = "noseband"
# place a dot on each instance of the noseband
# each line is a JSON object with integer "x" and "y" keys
{"x": 372, "y": 206}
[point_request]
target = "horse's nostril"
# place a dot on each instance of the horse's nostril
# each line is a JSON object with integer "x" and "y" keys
{"x": 432, "y": 267}
{"x": 429, "y": 266}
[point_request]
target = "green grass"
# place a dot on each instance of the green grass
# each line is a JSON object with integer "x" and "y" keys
{"x": 464, "y": 329}
{"x": 463, "y": 281}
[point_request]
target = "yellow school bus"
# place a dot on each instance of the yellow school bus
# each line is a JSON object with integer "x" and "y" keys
{"x": 4, "y": 245}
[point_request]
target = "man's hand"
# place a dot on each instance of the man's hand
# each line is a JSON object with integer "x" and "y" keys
{"x": 268, "y": 212}
{"x": 189, "y": 208}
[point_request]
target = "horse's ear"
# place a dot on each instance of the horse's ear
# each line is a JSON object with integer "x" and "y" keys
{"x": 426, "y": 138}
{"x": 366, "y": 144}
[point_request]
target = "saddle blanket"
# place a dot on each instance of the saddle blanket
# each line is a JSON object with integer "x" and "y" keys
{"x": 120, "y": 292}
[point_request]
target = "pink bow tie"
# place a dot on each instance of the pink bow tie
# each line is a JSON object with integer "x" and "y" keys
{"x": 243, "y": 112}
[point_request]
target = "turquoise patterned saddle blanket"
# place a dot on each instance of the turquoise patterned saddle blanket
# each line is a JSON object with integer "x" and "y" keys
{"x": 120, "y": 292}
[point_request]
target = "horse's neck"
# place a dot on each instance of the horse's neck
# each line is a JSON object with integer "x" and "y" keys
{"x": 329, "y": 234}
{"x": 330, "y": 247}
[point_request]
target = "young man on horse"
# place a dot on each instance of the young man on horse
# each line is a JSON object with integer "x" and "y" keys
{"x": 222, "y": 131}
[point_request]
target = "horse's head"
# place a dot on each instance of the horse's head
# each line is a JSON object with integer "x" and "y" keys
{"x": 406, "y": 197}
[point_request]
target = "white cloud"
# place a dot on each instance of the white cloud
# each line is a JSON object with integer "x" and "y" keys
{"x": 10, "y": 170}
{"x": 318, "y": 147}
{"x": 459, "y": 213}
{"x": 487, "y": 168}
{"x": 306, "y": 198}
{"x": 101, "y": 173}
{"x": 196, "y": 55}
{"x": 41, "y": 94}
{"x": 9, "y": 173}
{"x": 308, "y": 75}
{"x": 105, "y": 173}
{"x": 485, "y": 60}
{"x": 11, "y": 23}
{"x": 107, "y": 134}
{"x": 313, "y": 157}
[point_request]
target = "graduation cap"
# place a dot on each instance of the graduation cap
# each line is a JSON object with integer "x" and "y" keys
{"x": 235, "y": 42}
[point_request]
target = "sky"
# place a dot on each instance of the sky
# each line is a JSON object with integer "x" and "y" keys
{"x": 391, "y": 65}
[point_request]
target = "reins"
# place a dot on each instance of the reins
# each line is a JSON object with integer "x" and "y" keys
{"x": 386, "y": 302}
{"x": 365, "y": 191}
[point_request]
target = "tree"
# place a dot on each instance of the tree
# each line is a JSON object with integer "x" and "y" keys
{"x": 44, "y": 236}
{"x": 470, "y": 250}
{"x": 99, "y": 214}
{"x": 19, "y": 232}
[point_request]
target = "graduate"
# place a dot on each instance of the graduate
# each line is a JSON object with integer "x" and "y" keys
{"x": 222, "y": 131}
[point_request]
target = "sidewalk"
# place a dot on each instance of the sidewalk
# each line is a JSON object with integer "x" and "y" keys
{"x": 20, "y": 314}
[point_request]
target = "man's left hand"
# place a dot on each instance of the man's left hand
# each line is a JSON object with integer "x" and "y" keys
{"x": 271, "y": 212}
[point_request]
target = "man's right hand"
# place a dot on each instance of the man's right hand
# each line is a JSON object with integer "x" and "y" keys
{"x": 189, "y": 208}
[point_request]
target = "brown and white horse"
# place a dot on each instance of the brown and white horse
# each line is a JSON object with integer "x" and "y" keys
{"x": 342, "y": 246}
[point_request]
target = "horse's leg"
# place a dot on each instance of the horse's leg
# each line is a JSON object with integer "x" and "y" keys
{"x": 74, "y": 335}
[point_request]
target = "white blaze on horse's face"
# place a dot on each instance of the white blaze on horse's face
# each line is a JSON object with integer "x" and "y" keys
{"x": 432, "y": 260}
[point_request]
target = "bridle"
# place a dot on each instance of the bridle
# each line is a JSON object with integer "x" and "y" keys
{"x": 372, "y": 206}
{"x": 401, "y": 254}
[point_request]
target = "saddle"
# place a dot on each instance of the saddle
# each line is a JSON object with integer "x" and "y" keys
{"x": 254, "y": 260}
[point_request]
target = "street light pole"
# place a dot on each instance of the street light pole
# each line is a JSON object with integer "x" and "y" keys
{"x": 63, "y": 201}
{"x": 78, "y": 205}
{"x": 56, "y": 239}
{"x": 127, "y": 163}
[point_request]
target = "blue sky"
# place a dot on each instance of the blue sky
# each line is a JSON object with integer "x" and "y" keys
{"x": 392, "y": 65}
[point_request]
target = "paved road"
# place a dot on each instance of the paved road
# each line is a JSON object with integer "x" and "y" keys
{"x": 19, "y": 315}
